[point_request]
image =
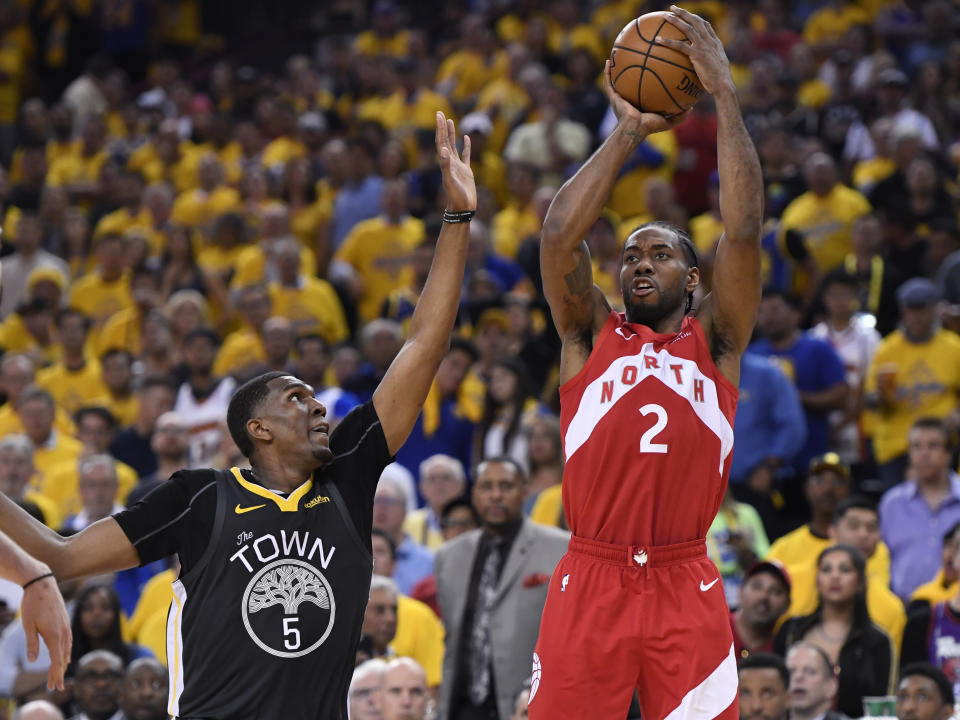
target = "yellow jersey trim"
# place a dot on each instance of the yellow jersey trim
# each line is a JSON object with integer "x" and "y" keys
{"x": 287, "y": 504}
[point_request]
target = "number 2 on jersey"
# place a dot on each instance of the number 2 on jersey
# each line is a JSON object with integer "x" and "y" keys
{"x": 646, "y": 440}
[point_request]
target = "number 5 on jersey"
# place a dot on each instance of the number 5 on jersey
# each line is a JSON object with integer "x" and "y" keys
{"x": 647, "y": 444}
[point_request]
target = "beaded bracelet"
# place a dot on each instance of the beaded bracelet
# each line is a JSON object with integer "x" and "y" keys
{"x": 461, "y": 216}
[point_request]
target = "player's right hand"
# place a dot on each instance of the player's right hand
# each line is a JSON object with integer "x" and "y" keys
{"x": 459, "y": 187}
{"x": 633, "y": 119}
{"x": 42, "y": 612}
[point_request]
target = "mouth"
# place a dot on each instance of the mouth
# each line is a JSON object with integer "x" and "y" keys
{"x": 642, "y": 288}
{"x": 323, "y": 429}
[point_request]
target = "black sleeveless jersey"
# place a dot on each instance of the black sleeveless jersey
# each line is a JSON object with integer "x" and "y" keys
{"x": 267, "y": 614}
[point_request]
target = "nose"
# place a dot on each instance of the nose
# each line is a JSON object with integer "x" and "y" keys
{"x": 317, "y": 408}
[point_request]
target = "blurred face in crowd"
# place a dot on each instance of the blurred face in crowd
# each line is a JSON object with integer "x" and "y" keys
{"x": 255, "y": 307}
{"x": 544, "y": 442}
{"x": 154, "y": 402}
{"x": 498, "y": 494}
{"x": 346, "y": 362}
{"x": 491, "y": 339}
{"x": 389, "y": 509}
{"x": 117, "y": 372}
{"x": 73, "y": 332}
{"x": 421, "y": 260}
{"x": 97, "y": 614}
{"x": 921, "y": 177}
{"x": 380, "y": 618}
{"x": 860, "y": 528}
{"x": 16, "y": 467}
{"x": 777, "y": 320}
{"x": 929, "y": 454}
{"x": 278, "y": 340}
{"x": 29, "y": 234}
{"x": 503, "y": 384}
{"x": 97, "y": 688}
{"x": 170, "y": 437}
{"x": 918, "y": 321}
{"x": 36, "y": 414}
{"x": 16, "y": 373}
{"x": 456, "y": 522}
{"x": 312, "y": 361}
{"x": 825, "y": 489}
{"x": 404, "y": 693}
{"x": 383, "y": 562}
{"x": 821, "y": 173}
{"x": 763, "y": 599}
{"x": 365, "y": 697}
{"x": 288, "y": 263}
{"x": 144, "y": 693}
{"x": 838, "y": 581}
{"x": 98, "y": 490}
{"x": 840, "y": 300}
{"x": 866, "y": 235}
{"x": 381, "y": 347}
{"x": 199, "y": 353}
{"x": 812, "y": 682}
{"x": 94, "y": 432}
{"x": 919, "y": 698}
{"x": 452, "y": 371}
{"x": 440, "y": 484}
{"x": 763, "y": 695}
{"x": 110, "y": 257}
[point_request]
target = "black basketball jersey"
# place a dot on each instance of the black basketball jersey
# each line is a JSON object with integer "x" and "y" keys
{"x": 267, "y": 612}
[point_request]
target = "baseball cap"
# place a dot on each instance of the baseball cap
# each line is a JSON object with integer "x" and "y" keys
{"x": 476, "y": 122}
{"x": 829, "y": 461}
{"x": 774, "y": 567}
{"x": 918, "y": 292}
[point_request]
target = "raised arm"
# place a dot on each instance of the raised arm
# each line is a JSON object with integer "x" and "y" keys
{"x": 400, "y": 396}
{"x": 578, "y": 308}
{"x": 729, "y": 312}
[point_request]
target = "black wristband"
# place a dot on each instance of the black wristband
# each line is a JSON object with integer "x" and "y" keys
{"x": 458, "y": 216}
{"x": 37, "y": 579}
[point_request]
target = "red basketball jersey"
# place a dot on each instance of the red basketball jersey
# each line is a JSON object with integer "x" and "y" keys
{"x": 647, "y": 428}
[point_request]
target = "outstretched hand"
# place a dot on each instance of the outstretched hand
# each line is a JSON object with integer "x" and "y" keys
{"x": 458, "y": 183}
{"x": 702, "y": 46}
{"x": 628, "y": 115}
{"x": 42, "y": 612}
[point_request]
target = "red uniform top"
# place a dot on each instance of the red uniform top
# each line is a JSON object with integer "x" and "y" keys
{"x": 647, "y": 427}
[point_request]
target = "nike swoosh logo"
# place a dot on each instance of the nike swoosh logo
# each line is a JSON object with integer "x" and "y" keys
{"x": 704, "y": 588}
{"x": 241, "y": 510}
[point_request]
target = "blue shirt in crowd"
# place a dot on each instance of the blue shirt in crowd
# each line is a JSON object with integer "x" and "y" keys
{"x": 355, "y": 202}
{"x": 414, "y": 563}
{"x": 770, "y": 421}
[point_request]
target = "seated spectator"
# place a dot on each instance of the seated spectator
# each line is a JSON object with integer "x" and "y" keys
{"x": 36, "y": 410}
{"x": 764, "y": 597}
{"x": 171, "y": 445}
{"x": 243, "y": 348}
{"x": 29, "y": 255}
{"x": 17, "y": 372}
{"x": 735, "y": 540}
{"x": 97, "y": 685}
{"x": 144, "y": 692}
{"x": 404, "y": 695}
{"x": 380, "y": 341}
{"x": 418, "y": 633}
{"x": 116, "y": 372}
{"x": 366, "y": 690}
{"x": 105, "y": 291}
{"x": 924, "y": 693}
{"x": 507, "y": 409}
{"x": 915, "y": 373}
{"x": 442, "y": 479}
{"x": 39, "y": 710}
{"x": 763, "y": 687}
{"x": 156, "y": 395}
{"x": 97, "y": 486}
{"x": 16, "y": 470}
{"x": 96, "y": 626}
{"x": 545, "y": 460}
{"x": 414, "y": 562}
{"x": 813, "y": 684}
{"x": 915, "y": 515}
{"x": 841, "y": 627}
{"x": 74, "y": 381}
{"x": 944, "y": 585}
{"x": 380, "y": 616}
{"x": 456, "y": 518}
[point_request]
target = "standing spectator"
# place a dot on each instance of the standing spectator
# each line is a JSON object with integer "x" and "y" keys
{"x": 97, "y": 486}
{"x": 855, "y": 342}
{"x": 96, "y": 626}
{"x": 74, "y": 380}
{"x": 915, "y": 373}
{"x": 915, "y": 515}
{"x": 812, "y": 364}
{"x": 841, "y": 627}
{"x": 507, "y": 408}
{"x": 813, "y": 684}
{"x": 360, "y": 196}
{"x": 203, "y": 398}
{"x": 442, "y": 479}
{"x": 924, "y": 693}
{"x": 155, "y": 396}
{"x": 414, "y": 562}
{"x": 97, "y": 685}
{"x": 763, "y": 687}
{"x": 764, "y": 597}
{"x": 144, "y": 692}
{"x": 404, "y": 694}
{"x": 492, "y": 584}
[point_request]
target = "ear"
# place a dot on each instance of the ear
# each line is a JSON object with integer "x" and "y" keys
{"x": 693, "y": 279}
{"x": 259, "y": 430}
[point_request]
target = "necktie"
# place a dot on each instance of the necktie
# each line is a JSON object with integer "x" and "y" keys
{"x": 480, "y": 649}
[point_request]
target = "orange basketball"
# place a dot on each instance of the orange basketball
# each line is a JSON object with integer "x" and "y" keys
{"x": 652, "y": 77}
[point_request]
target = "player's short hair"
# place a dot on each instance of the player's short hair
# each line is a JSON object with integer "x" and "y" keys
{"x": 505, "y": 460}
{"x": 204, "y": 333}
{"x": 944, "y": 686}
{"x": 766, "y": 661}
{"x": 686, "y": 244}
{"x": 244, "y": 404}
{"x": 391, "y": 545}
{"x": 854, "y": 502}
{"x": 465, "y": 346}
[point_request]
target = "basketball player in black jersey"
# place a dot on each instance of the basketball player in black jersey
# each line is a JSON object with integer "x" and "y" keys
{"x": 276, "y": 561}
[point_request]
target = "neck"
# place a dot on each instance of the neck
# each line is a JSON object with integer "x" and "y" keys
{"x": 838, "y": 614}
{"x": 74, "y": 359}
{"x": 504, "y": 529}
{"x": 839, "y": 323}
{"x": 167, "y": 466}
{"x": 810, "y": 713}
{"x": 820, "y": 523}
{"x": 934, "y": 484}
{"x": 753, "y": 635}
{"x": 276, "y": 473}
{"x": 784, "y": 342}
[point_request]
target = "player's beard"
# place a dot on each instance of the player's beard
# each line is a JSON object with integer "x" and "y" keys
{"x": 651, "y": 314}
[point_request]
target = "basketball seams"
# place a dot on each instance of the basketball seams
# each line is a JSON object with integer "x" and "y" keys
{"x": 666, "y": 90}
{"x": 646, "y": 57}
{"x": 625, "y": 48}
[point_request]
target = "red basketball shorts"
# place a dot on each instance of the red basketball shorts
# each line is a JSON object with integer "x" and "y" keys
{"x": 621, "y": 618}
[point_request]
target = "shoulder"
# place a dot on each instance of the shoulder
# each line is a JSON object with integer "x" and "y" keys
{"x": 461, "y": 544}
{"x": 948, "y": 339}
{"x": 894, "y": 496}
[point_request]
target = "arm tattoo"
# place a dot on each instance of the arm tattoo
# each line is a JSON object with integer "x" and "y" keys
{"x": 580, "y": 279}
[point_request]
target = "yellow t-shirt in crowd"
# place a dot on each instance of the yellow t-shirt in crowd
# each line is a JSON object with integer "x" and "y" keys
{"x": 801, "y": 547}
{"x": 282, "y": 150}
{"x": 72, "y": 389}
{"x": 305, "y": 222}
{"x": 628, "y": 198}
{"x": 813, "y": 94}
{"x": 511, "y": 226}
{"x": 117, "y": 222}
{"x": 705, "y": 231}
{"x": 220, "y": 260}
{"x": 927, "y": 382}
{"x": 58, "y": 449}
{"x": 313, "y": 307}
{"x": 121, "y": 331}
{"x": 155, "y": 597}
{"x": 76, "y": 168}
{"x": 415, "y": 525}
{"x": 419, "y": 636}
{"x": 548, "y": 508}
{"x": 124, "y": 409}
{"x": 829, "y": 24}
{"x": 370, "y": 43}
{"x": 60, "y": 485}
{"x": 11, "y": 424}
{"x": 418, "y": 112}
{"x": 470, "y": 72}
{"x": 15, "y": 338}
{"x": 98, "y": 299}
{"x": 182, "y": 174}
{"x": 241, "y": 348}
{"x": 197, "y": 207}
{"x": 868, "y": 173}
{"x": 935, "y": 591}
{"x": 825, "y": 222}
{"x": 380, "y": 253}
{"x": 252, "y": 265}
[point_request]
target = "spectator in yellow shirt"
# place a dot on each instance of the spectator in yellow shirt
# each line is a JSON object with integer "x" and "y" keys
{"x": 915, "y": 373}
{"x": 286, "y": 145}
{"x": 518, "y": 220}
{"x": 35, "y": 407}
{"x": 117, "y": 376}
{"x": 442, "y": 479}
{"x": 154, "y": 217}
{"x": 385, "y": 36}
{"x": 826, "y": 27}
{"x": 129, "y": 192}
{"x": 123, "y": 328}
{"x": 465, "y": 72}
{"x": 243, "y": 348}
{"x": 198, "y": 207}
{"x": 257, "y": 263}
{"x": 74, "y": 381}
{"x": 16, "y": 470}
{"x": 411, "y": 106}
{"x": 170, "y": 159}
{"x": 79, "y": 171}
{"x": 106, "y": 290}
{"x": 944, "y": 586}
{"x": 375, "y": 255}
{"x": 311, "y": 304}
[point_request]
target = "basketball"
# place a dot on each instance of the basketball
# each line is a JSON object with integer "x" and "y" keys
{"x": 652, "y": 77}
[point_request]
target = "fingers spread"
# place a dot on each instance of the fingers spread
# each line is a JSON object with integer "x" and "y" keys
{"x": 680, "y": 45}
{"x": 681, "y": 24}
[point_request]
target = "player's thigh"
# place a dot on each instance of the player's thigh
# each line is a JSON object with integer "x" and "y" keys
{"x": 586, "y": 659}
{"x": 688, "y": 670}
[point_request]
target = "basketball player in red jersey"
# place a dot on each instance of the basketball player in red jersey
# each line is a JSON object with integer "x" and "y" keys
{"x": 647, "y": 410}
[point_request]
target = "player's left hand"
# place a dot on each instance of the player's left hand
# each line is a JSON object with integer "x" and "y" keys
{"x": 458, "y": 184}
{"x": 703, "y": 48}
{"x": 42, "y": 612}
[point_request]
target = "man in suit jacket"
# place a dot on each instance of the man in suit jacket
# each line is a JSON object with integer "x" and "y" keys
{"x": 491, "y": 586}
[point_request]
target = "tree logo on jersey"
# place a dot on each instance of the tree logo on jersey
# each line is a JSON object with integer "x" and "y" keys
{"x": 288, "y": 608}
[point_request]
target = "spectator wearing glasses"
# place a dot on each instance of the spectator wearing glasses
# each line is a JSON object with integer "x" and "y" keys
{"x": 97, "y": 685}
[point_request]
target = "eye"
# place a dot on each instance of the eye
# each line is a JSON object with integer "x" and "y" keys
{"x": 661, "y": 256}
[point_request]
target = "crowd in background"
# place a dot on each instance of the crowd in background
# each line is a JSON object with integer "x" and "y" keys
{"x": 185, "y": 205}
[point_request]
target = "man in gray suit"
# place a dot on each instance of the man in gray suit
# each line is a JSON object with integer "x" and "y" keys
{"x": 491, "y": 586}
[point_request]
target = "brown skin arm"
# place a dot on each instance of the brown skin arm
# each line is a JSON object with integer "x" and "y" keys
{"x": 399, "y": 398}
{"x": 578, "y": 307}
{"x": 729, "y": 312}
